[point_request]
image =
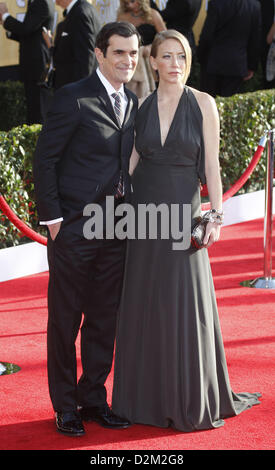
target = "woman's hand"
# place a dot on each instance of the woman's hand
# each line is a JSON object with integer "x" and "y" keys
{"x": 212, "y": 234}
{"x": 271, "y": 34}
{"x": 47, "y": 36}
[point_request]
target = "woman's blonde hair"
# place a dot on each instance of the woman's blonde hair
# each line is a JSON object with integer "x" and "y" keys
{"x": 144, "y": 7}
{"x": 173, "y": 34}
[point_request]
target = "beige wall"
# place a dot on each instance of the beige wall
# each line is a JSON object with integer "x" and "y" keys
{"x": 107, "y": 12}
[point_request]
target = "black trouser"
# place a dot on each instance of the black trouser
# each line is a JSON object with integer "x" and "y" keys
{"x": 85, "y": 277}
{"x": 33, "y": 100}
{"x": 46, "y": 99}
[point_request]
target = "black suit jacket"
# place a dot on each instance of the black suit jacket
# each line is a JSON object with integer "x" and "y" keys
{"x": 268, "y": 12}
{"x": 33, "y": 52}
{"x": 229, "y": 44}
{"x": 181, "y": 14}
{"x": 80, "y": 151}
{"x": 73, "y": 54}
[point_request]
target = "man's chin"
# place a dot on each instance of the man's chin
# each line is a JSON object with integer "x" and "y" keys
{"x": 127, "y": 77}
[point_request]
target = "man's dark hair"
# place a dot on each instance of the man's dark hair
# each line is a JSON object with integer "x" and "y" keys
{"x": 121, "y": 28}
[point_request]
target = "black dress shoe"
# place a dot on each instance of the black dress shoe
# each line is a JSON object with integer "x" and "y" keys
{"x": 103, "y": 416}
{"x": 70, "y": 424}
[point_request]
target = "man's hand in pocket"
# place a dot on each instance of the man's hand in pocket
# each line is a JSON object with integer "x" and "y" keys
{"x": 54, "y": 229}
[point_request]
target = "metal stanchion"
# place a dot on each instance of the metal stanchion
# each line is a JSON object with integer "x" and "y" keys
{"x": 267, "y": 281}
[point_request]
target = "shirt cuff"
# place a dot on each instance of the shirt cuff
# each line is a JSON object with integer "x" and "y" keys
{"x": 5, "y": 16}
{"x": 50, "y": 222}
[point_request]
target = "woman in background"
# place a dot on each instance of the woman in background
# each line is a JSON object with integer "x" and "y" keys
{"x": 148, "y": 22}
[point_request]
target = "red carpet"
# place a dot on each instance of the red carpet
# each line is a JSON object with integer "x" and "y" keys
{"x": 247, "y": 320}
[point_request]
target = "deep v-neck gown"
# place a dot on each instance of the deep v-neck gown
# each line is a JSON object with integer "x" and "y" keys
{"x": 170, "y": 366}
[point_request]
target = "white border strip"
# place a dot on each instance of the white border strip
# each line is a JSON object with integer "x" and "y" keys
{"x": 245, "y": 207}
{"x": 22, "y": 260}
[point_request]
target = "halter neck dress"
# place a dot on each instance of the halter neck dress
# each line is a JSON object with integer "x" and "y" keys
{"x": 170, "y": 365}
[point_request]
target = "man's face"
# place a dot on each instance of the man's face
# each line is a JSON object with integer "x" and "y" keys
{"x": 63, "y": 3}
{"x": 120, "y": 62}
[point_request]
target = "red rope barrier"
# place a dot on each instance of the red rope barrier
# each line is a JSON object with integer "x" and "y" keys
{"x": 23, "y": 228}
{"x": 242, "y": 180}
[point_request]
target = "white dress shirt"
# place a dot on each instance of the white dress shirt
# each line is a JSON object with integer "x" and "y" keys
{"x": 4, "y": 16}
{"x": 69, "y": 7}
{"x": 110, "y": 90}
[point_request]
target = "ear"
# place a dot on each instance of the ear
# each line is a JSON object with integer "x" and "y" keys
{"x": 99, "y": 55}
{"x": 153, "y": 63}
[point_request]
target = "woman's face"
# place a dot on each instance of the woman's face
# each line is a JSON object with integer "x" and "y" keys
{"x": 170, "y": 61}
{"x": 132, "y": 5}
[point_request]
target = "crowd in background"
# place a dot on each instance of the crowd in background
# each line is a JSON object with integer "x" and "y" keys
{"x": 237, "y": 37}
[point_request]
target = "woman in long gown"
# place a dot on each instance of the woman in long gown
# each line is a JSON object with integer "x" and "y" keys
{"x": 170, "y": 365}
{"x": 148, "y": 22}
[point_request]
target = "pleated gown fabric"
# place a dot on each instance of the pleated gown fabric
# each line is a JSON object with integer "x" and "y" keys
{"x": 170, "y": 366}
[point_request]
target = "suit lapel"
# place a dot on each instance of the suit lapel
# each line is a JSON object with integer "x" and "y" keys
{"x": 100, "y": 91}
{"x": 128, "y": 109}
{"x": 74, "y": 8}
{"x": 106, "y": 102}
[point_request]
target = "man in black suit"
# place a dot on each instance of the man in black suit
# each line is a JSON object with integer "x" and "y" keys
{"x": 268, "y": 16}
{"x": 34, "y": 54}
{"x": 82, "y": 156}
{"x": 153, "y": 5}
{"x": 229, "y": 45}
{"x": 181, "y": 15}
{"x": 73, "y": 53}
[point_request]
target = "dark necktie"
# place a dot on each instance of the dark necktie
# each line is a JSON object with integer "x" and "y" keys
{"x": 118, "y": 112}
{"x": 65, "y": 12}
{"x": 117, "y": 108}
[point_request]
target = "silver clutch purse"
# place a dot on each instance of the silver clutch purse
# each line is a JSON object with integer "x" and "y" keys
{"x": 198, "y": 232}
{"x": 199, "y": 227}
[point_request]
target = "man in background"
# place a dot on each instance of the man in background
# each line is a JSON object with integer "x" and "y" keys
{"x": 73, "y": 53}
{"x": 33, "y": 52}
{"x": 229, "y": 45}
{"x": 268, "y": 17}
{"x": 181, "y": 15}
